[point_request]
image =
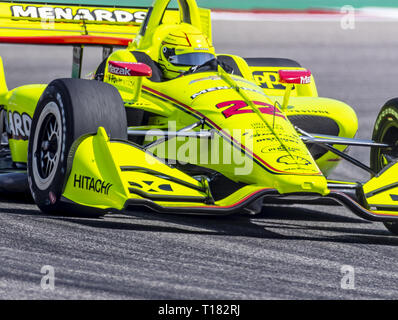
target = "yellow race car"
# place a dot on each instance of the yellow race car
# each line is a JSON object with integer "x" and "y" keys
{"x": 168, "y": 123}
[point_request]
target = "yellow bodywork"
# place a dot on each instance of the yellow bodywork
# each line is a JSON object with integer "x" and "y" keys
{"x": 248, "y": 115}
{"x": 381, "y": 191}
{"x": 104, "y": 174}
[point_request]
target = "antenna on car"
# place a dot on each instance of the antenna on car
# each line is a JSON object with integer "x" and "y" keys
{"x": 273, "y": 119}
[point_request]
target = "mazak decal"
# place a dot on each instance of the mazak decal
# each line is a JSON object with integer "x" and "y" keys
{"x": 18, "y": 125}
{"x": 48, "y": 13}
{"x": 91, "y": 184}
{"x": 118, "y": 71}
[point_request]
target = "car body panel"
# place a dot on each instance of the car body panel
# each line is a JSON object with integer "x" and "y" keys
{"x": 254, "y": 116}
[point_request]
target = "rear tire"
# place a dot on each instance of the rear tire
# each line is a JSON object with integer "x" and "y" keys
{"x": 68, "y": 109}
{"x": 386, "y": 131}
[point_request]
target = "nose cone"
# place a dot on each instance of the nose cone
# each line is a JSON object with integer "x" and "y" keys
{"x": 258, "y": 129}
{"x": 270, "y": 139}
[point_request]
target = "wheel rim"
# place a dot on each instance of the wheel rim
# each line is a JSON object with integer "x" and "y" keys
{"x": 388, "y": 155}
{"x": 47, "y": 142}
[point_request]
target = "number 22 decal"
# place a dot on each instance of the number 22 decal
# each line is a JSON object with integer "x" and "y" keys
{"x": 237, "y": 107}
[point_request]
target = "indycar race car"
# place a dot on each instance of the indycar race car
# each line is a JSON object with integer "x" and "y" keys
{"x": 167, "y": 123}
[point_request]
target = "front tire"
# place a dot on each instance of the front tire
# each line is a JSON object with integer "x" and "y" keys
{"x": 386, "y": 131}
{"x": 67, "y": 110}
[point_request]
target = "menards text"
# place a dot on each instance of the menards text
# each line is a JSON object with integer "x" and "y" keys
{"x": 48, "y": 13}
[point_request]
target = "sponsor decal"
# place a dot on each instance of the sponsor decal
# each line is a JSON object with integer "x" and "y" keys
{"x": 268, "y": 80}
{"x": 91, "y": 184}
{"x": 238, "y": 107}
{"x": 118, "y": 71}
{"x": 293, "y": 160}
{"x": 235, "y": 78}
{"x": 209, "y": 90}
{"x": 70, "y": 13}
{"x": 281, "y": 149}
{"x": 118, "y": 81}
{"x": 151, "y": 186}
{"x": 291, "y": 109}
{"x": 305, "y": 79}
{"x": 264, "y": 128}
{"x": 18, "y": 125}
{"x": 223, "y": 88}
{"x": 282, "y": 139}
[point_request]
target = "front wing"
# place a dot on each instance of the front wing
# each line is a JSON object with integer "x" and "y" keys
{"x": 109, "y": 175}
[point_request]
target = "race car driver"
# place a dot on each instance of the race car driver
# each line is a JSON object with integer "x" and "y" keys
{"x": 181, "y": 51}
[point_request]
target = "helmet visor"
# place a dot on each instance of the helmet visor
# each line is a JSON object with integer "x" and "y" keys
{"x": 191, "y": 59}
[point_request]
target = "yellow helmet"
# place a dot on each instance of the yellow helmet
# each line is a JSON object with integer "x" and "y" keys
{"x": 182, "y": 49}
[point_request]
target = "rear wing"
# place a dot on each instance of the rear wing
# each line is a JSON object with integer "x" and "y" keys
{"x": 78, "y": 25}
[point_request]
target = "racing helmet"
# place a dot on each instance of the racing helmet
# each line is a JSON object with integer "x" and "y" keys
{"x": 181, "y": 49}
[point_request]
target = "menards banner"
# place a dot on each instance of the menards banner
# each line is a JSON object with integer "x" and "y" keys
{"x": 241, "y": 5}
{"x": 45, "y": 12}
{"x": 33, "y": 22}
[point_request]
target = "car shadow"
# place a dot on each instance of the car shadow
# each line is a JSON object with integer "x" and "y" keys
{"x": 274, "y": 222}
{"x": 305, "y": 214}
{"x": 18, "y": 198}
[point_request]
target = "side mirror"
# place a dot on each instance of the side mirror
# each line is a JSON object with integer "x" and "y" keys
{"x": 291, "y": 77}
{"x": 295, "y": 76}
{"x": 129, "y": 69}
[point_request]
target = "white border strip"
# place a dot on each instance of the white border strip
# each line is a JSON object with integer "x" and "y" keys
{"x": 375, "y": 14}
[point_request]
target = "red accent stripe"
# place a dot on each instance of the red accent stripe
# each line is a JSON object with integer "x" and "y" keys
{"x": 82, "y": 39}
{"x": 173, "y": 44}
{"x": 235, "y": 204}
{"x": 186, "y": 36}
{"x": 221, "y": 130}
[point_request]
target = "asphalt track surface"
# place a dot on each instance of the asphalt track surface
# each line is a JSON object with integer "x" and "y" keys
{"x": 286, "y": 252}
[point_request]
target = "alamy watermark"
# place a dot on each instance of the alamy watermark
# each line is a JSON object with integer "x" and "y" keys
{"x": 230, "y": 147}
{"x": 348, "y": 278}
{"x": 47, "y": 23}
{"x": 347, "y": 21}
{"x": 48, "y": 280}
